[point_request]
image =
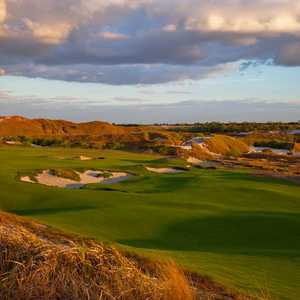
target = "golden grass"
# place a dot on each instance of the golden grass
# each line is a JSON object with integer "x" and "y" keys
{"x": 39, "y": 263}
{"x": 226, "y": 145}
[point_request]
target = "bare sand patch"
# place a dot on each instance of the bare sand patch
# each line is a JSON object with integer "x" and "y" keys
{"x": 164, "y": 170}
{"x": 46, "y": 178}
{"x": 194, "y": 161}
{"x": 82, "y": 157}
{"x": 26, "y": 179}
{"x": 86, "y": 177}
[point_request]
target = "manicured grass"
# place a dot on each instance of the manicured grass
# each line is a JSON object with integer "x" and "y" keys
{"x": 241, "y": 230}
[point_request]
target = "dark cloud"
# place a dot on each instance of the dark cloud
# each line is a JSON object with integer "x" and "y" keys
{"x": 132, "y": 42}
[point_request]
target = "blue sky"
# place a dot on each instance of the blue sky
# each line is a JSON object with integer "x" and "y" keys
{"x": 143, "y": 61}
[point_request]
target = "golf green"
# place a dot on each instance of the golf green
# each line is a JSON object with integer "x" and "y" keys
{"x": 240, "y": 230}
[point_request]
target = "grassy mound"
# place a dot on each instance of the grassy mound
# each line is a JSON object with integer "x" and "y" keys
{"x": 226, "y": 145}
{"x": 65, "y": 173}
{"x": 39, "y": 263}
{"x": 200, "y": 152}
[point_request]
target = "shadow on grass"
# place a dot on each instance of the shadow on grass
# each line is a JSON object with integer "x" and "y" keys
{"x": 146, "y": 161}
{"x": 258, "y": 179}
{"x": 250, "y": 234}
{"x": 49, "y": 211}
{"x": 148, "y": 184}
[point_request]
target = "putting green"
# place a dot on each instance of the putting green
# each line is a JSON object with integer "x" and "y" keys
{"x": 241, "y": 230}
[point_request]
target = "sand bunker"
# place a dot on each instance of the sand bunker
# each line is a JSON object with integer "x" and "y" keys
{"x": 194, "y": 161}
{"x": 82, "y": 157}
{"x": 165, "y": 170}
{"x": 87, "y": 177}
{"x": 27, "y": 179}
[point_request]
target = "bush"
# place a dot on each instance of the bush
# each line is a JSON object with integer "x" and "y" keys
{"x": 65, "y": 173}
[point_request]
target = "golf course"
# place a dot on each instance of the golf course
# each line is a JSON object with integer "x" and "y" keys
{"x": 242, "y": 231}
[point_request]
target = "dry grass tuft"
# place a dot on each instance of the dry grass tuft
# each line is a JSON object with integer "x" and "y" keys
{"x": 38, "y": 262}
{"x": 226, "y": 145}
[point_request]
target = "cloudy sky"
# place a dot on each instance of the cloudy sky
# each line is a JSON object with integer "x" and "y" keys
{"x": 151, "y": 60}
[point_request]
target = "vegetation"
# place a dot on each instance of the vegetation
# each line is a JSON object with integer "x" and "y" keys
{"x": 226, "y": 145}
{"x": 65, "y": 173}
{"x": 91, "y": 135}
{"x": 241, "y": 230}
{"x": 37, "y": 262}
{"x": 274, "y": 144}
{"x": 217, "y": 127}
{"x": 200, "y": 152}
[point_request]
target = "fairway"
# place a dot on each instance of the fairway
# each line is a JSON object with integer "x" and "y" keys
{"x": 240, "y": 230}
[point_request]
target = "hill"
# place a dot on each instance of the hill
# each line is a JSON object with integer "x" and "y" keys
{"x": 38, "y": 262}
{"x": 18, "y": 126}
{"x": 226, "y": 145}
{"x": 94, "y": 134}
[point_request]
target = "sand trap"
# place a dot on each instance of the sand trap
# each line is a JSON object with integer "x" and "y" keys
{"x": 82, "y": 157}
{"x": 87, "y": 177}
{"x": 26, "y": 179}
{"x": 194, "y": 161}
{"x": 164, "y": 170}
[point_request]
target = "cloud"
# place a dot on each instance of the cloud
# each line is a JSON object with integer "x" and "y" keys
{"x": 145, "y": 41}
{"x": 187, "y": 111}
{"x": 113, "y": 36}
{"x": 2, "y": 11}
{"x": 289, "y": 54}
{"x": 120, "y": 75}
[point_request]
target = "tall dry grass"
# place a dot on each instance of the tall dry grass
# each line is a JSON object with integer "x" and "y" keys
{"x": 40, "y": 263}
{"x": 37, "y": 263}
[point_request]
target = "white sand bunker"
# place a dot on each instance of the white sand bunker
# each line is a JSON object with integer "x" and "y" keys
{"x": 87, "y": 177}
{"x": 82, "y": 157}
{"x": 194, "y": 161}
{"x": 27, "y": 179}
{"x": 165, "y": 170}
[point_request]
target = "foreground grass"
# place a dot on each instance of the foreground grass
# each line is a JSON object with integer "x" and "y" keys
{"x": 242, "y": 231}
{"x": 37, "y": 262}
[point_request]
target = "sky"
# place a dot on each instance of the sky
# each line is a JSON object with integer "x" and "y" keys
{"x": 151, "y": 61}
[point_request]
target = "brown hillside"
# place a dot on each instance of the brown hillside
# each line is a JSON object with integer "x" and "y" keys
{"x": 37, "y": 262}
{"x": 97, "y": 133}
{"x": 226, "y": 145}
{"x": 18, "y": 126}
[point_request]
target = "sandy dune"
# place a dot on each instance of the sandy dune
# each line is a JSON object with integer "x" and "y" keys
{"x": 164, "y": 170}
{"x": 87, "y": 177}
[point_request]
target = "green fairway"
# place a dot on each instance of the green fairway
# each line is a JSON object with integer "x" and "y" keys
{"x": 240, "y": 230}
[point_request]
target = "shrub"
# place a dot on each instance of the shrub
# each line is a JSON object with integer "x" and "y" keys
{"x": 65, "y": 173}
